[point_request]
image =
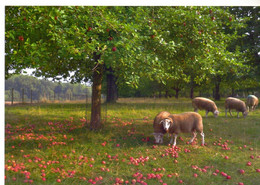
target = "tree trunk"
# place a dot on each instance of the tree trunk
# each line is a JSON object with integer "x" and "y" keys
{"x": 177, "y": 93}
{"x": 217, "y": 85}
{"x": 166, "y": 94}
{"x": 191, "y": 92}
{"x": 111, "y": 87}
{"x": 191, "y": 88}
{"x": 95, "y": 122}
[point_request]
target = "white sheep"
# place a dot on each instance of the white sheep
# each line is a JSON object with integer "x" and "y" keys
{"x": 158, "y": 128}
{"x": 205, "y": 104}
{"x": 188, "y": 122}
{"x": 252, "y": 102}
{"x": 237, "y": 104}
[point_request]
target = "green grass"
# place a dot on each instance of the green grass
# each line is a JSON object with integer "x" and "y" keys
{"x": 52, "y": 139}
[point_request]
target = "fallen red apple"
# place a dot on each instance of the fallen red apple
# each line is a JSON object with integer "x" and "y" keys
{"x": 242, "y": 171}
{"x": 58, "y": 180}
{"x": 226, "y": 157}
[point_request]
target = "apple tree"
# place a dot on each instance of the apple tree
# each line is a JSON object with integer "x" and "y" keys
{"x": 195, "y": 45}
{"x": 79, "y": 42}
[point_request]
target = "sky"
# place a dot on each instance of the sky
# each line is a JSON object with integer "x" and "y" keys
{"x": 86, "y": 3}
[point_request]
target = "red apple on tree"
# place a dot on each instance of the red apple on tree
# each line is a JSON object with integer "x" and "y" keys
{"x": 21, "y": 38}
{"x": 89, "y": 28}
{"x": 114, "y": 49}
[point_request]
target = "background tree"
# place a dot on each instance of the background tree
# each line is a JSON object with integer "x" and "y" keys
{"x": 193, "y": 44}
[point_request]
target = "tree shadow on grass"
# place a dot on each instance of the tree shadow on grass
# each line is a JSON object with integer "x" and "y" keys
{"x": 74, "y": 134}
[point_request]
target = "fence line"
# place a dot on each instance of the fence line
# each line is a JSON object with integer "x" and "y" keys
{"x": 16, "y": 97}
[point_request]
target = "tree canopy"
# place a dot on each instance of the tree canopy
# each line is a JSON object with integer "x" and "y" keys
{"x": 166, "y": 44}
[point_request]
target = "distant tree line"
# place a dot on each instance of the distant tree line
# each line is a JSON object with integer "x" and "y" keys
{"x": 152, "y": 88}
{"x": 43, "y": 89}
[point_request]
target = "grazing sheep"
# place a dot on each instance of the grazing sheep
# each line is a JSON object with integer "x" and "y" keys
{"x": 188, "y": 122}
{"x": 234, "y": 103}
{"x": 205, "y": 104}
{"x": 252, "y": 102}
{"x": 158, "y": 128}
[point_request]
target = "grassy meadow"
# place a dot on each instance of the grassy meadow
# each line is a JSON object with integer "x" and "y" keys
{"x": 50, "y": 144}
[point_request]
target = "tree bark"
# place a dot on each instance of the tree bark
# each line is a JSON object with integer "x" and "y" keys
{"x": 160, "y": 93}
{"x": 191, "y": 88}
{"x": 95, "y": 122}
{"x": 166, "y": 93}
{"x": 217, "y": 85}
{"x": 111, "y": 87}
{"x": 177, "y": 93}
{"x": 191, "y": 92}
